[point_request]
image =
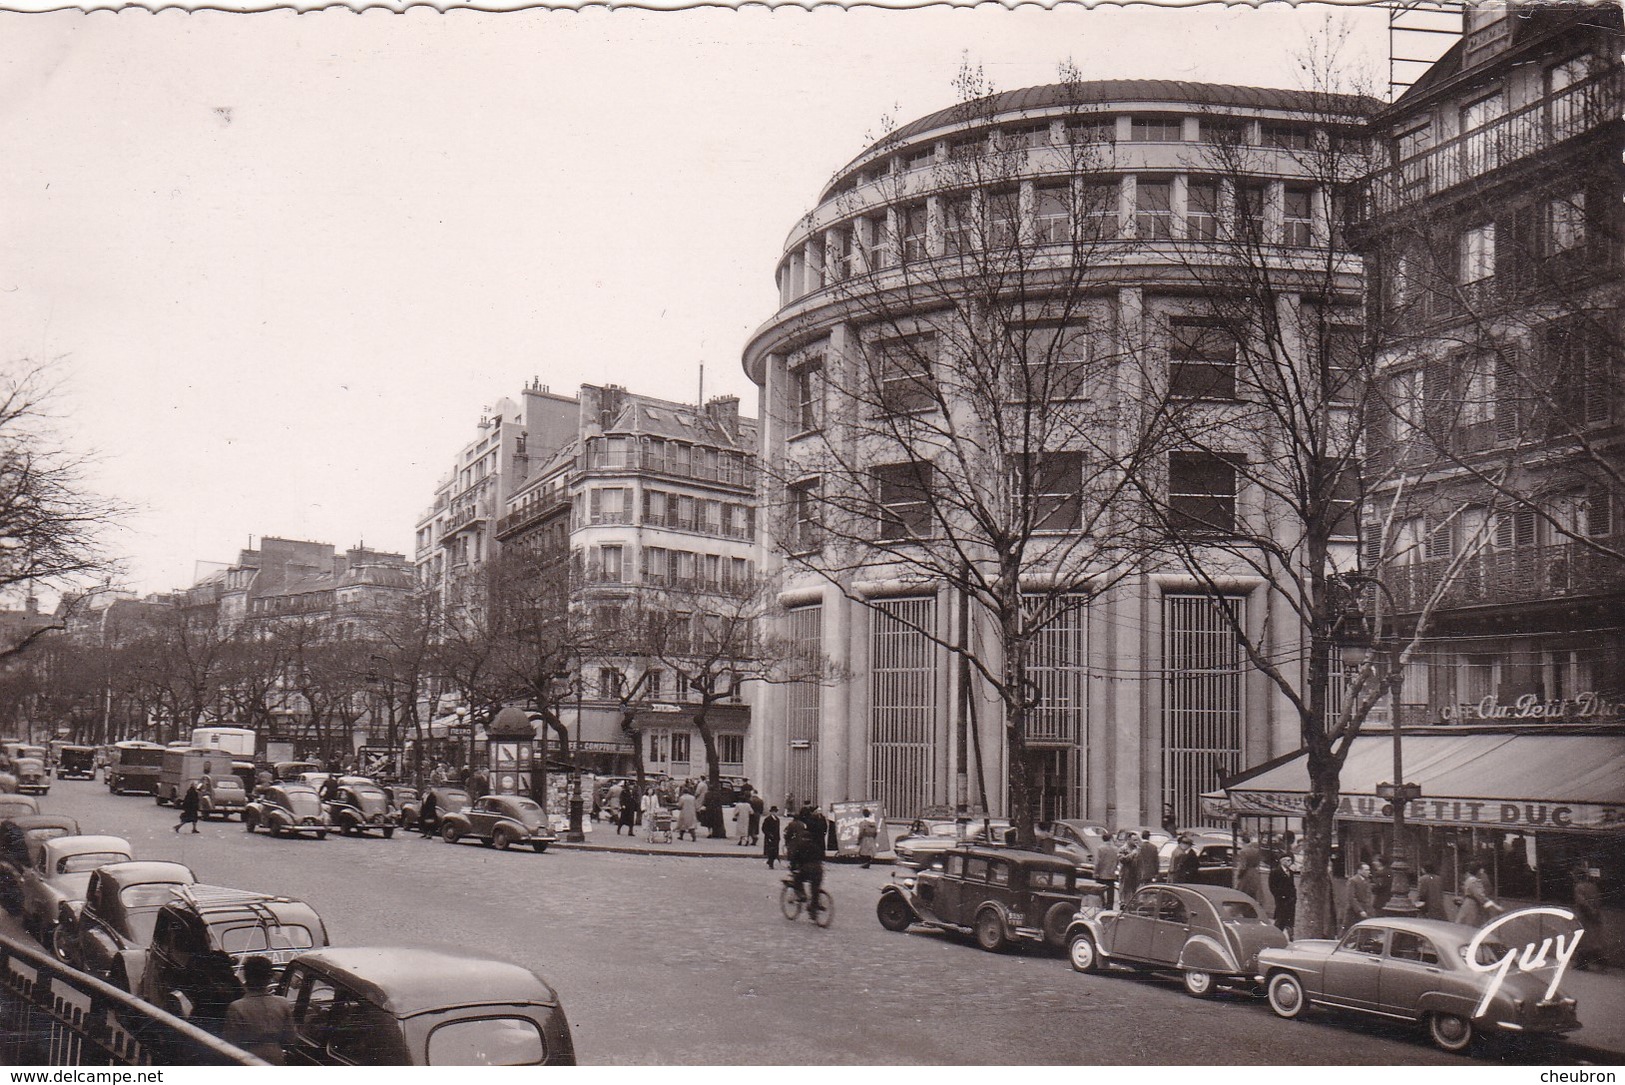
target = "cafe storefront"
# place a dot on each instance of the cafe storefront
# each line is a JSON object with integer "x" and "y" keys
{"x": 1534, "y": 806}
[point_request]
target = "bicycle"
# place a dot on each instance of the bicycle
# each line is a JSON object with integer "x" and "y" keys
{"x": 790, "y": 903}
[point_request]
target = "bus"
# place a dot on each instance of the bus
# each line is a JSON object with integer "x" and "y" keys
{"x": 237, "y": 741}
{"x": 133, "y": 766}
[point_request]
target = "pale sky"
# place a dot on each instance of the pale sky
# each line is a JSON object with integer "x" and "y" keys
{"x": 283, "y": 261}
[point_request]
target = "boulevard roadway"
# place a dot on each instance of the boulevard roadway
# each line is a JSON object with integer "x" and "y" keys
{"x": 673, "y": 960}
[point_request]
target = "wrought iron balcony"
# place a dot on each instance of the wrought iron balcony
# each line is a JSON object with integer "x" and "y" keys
{"x": 1520, "y": 575}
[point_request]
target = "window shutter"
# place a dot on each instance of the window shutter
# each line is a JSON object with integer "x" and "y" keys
{"x": 1440, "y": 400}
{"x": 1599, "y": 513}
{"x": 1371, "y": 546}
{"x": 1438, "y": 543}
{"x": 594, "y": 506}
{"x": 1508, "y": 389}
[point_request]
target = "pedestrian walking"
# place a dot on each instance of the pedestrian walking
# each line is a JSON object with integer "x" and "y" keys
{"x": 261, "y": 1021}
{"x": 1170, "y": 819}
{"x": 686, "y": 820}
{"x": 1183, "y": 865}
{"x": 1382, "y": 884}
{"x": 1106, "y": 868}
{"x": 1128, "y": 869}
{"x": 770, "y": 836}
{"x": 1430, "y": 894}
{"x": 427, "y": 813}
{"x": 755, "y": 826}
{"x": 1476, "y": 905}
{"x": 1245, "y": 878}
{"x": 1148, "y": 860}
{"x": 868, "y": 837}
{"x": 1284, "y": 888}
{"x": 191, "y": 803}
{"x": 651, "y": 803}
{"x": 1360, "y": 904}
{"x": 626, "y": 813}
{"x": 741, "y": 823}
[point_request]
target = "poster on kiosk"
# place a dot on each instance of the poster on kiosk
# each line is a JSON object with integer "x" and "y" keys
{"x": 847, "y": 816}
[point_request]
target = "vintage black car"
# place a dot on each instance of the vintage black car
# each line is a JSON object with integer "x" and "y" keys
{"x": 110, "y": 930}
{"x": 359, "y": 806}
{"x": 201, "y": 920}
{"x": 500, "y": 821}
{"x": 1208, "y": 934}
{"x": 447, "y": 800}
{"x": 422, "y": 1006}
{"x": 287, "y": 808}
{"x": 1001, "y": 895}
{"x": 76, "y": 763}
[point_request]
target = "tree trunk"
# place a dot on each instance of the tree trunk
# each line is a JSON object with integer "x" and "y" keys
{"x": 637, "y": 746}
{"x": 713, "y": 775}
{"x": 1316, "y": 916}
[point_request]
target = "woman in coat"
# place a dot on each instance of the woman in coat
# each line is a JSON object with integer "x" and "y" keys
{"x": 651, "y": 803}
{"x": 1476, "y": 905}
{"x": 189, "y": 807}
{"x": 687, "y": 822}
{"x": 627, "y": 816}
{"x": 1285, "y": 891}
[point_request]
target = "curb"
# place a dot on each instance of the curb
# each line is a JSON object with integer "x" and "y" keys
{"x": 1598, "y": 1055}
{"x": 682, "y": 852}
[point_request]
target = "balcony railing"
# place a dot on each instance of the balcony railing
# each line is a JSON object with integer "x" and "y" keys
{"x": 1521, "y": 575}
{"x": 1520, "y": 134}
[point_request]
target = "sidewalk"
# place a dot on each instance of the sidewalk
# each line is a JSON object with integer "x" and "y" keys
{"x": 1601, "y": 998}
{"x": 602, "y": 837}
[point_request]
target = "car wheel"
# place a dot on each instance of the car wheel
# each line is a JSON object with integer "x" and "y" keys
{"x": 1286, "y": 995}
{"x": 1082, "y": 954}
{"x": 119, "y": 978}
{"x": 1450, "y": 1032}
{"x": 158, "y": 798}
{"x": 1199, "y": 984}
{"x": 894, "y": 913}
{"x": 501, "y": 840}
{"x": 1056, "y": 921}
{"x": 389, "y": 832}
{"x": 990, "y": 931}
{"x": 275, "y": 828}
{"x": 62, "y": 945}
{"x": 449, "y": 833}
{"x": 248, "y": 823}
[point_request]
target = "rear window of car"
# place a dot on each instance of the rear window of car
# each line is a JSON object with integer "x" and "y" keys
{"x": 998, "y": 873}
{"x": 88, "y": 861}
{"x": 487, "y": 1041}
{"x": 1488, "y": 953}
{"x": 147, "y": 894}
{"x": 1238, "y": 909}
{"x": 1412, "y": 947}
{"x": 303, "y": 802}
{"x": 255, "y": 938}
{"x": 976, "y": 870}
{"x": 1049, "y": 879}
{"x": 526, "y": 806}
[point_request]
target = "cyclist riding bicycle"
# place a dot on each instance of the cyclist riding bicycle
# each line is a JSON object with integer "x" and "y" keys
{"x": 805, "y": 836}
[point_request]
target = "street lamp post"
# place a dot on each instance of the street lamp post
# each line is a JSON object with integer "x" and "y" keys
{"x": 575, "y": 834}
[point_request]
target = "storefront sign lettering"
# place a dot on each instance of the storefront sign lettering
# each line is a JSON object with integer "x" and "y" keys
{"x": 1532, "y": 957}
{"x": 1582, "y": 706}
{"x": 1431, "y": 811}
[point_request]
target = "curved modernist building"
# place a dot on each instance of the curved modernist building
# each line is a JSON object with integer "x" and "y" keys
{"x": 1094, "y": 218}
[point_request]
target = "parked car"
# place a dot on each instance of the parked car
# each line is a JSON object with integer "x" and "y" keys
{"x": 76, "y": 763}
{"x": 1415, "y": 969}
{"x": 60, "y": 874}
{"x": 1211, "y": 935}
{"x": 294, "y": 771}
{"x": 108, "y": 934}
{"x": 287, "y": 808}
{"x": 500, "y": 821}
{"x": 1001, "y": 895}
{"x": 224, "y": 798}
{"x": 13, "y": 805}
{"x": 928, "y": 840}
{"x": 204, "y": 919}
{"x": 447, "y": 800}
{"x": 422, "y": 1006}
{"x": 360, "y": 806}
{"x": 32, "y": 776}
{"x": 21, "y": 837}
{"x": 1215, "y": 858}
{"x": 1080, "y": 841}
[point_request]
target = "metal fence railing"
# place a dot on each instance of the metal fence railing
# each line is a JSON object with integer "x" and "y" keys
{"x": 53, "y": 1015}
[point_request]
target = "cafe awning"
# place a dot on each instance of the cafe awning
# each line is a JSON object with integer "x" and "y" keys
{"x": 1495, "y": 780}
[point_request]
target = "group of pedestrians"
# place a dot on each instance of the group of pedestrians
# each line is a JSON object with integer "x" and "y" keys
{"x": 1129, "y": 864}
{"x": 693, "y": 808}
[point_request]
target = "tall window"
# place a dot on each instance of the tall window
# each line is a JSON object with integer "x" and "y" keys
{"x": 807, "y": 381}
{"x": 902, "y": 500}
{"x": 838, "y": 254}
{"x": 1565, "y": 222}
{"x": 1203, "y": 705}
{"x": 609, "y": 562}
{"x": 609, "y": 505}
{"x": 1202, "y": 361}
{"x": 1251, "y": 198}
{"x": 1291, "y": 137}
{"x": 911, "y": 224}
{"x": 903, "y": 705}
{"x": 1052, "y": 484}
{"x": 731, "y": 749}
{"x": 803, "y": 704}
{"x": 1202, "y": 210}
{"x": 1053, "y": 215}
{"x": 1094, "y": 129}
{"x": 903, "y": 372}
{"x": 1154, "y": 210}
{"x": 806, "y": 525}
{"x": 1477, "y": 253}
{"x": 1058, "y": 666}
{"x": 1055, "y": 363}
{"x": 1202, "y": 492}
{"x": 1097, "y": 206}
{"x": 1003, "y": 208}
{"x": 882, "y": 245}
{"x": 1478, "y": 113}
{"x": 959, "y": 225}
{"x": 1297, "y": 214}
